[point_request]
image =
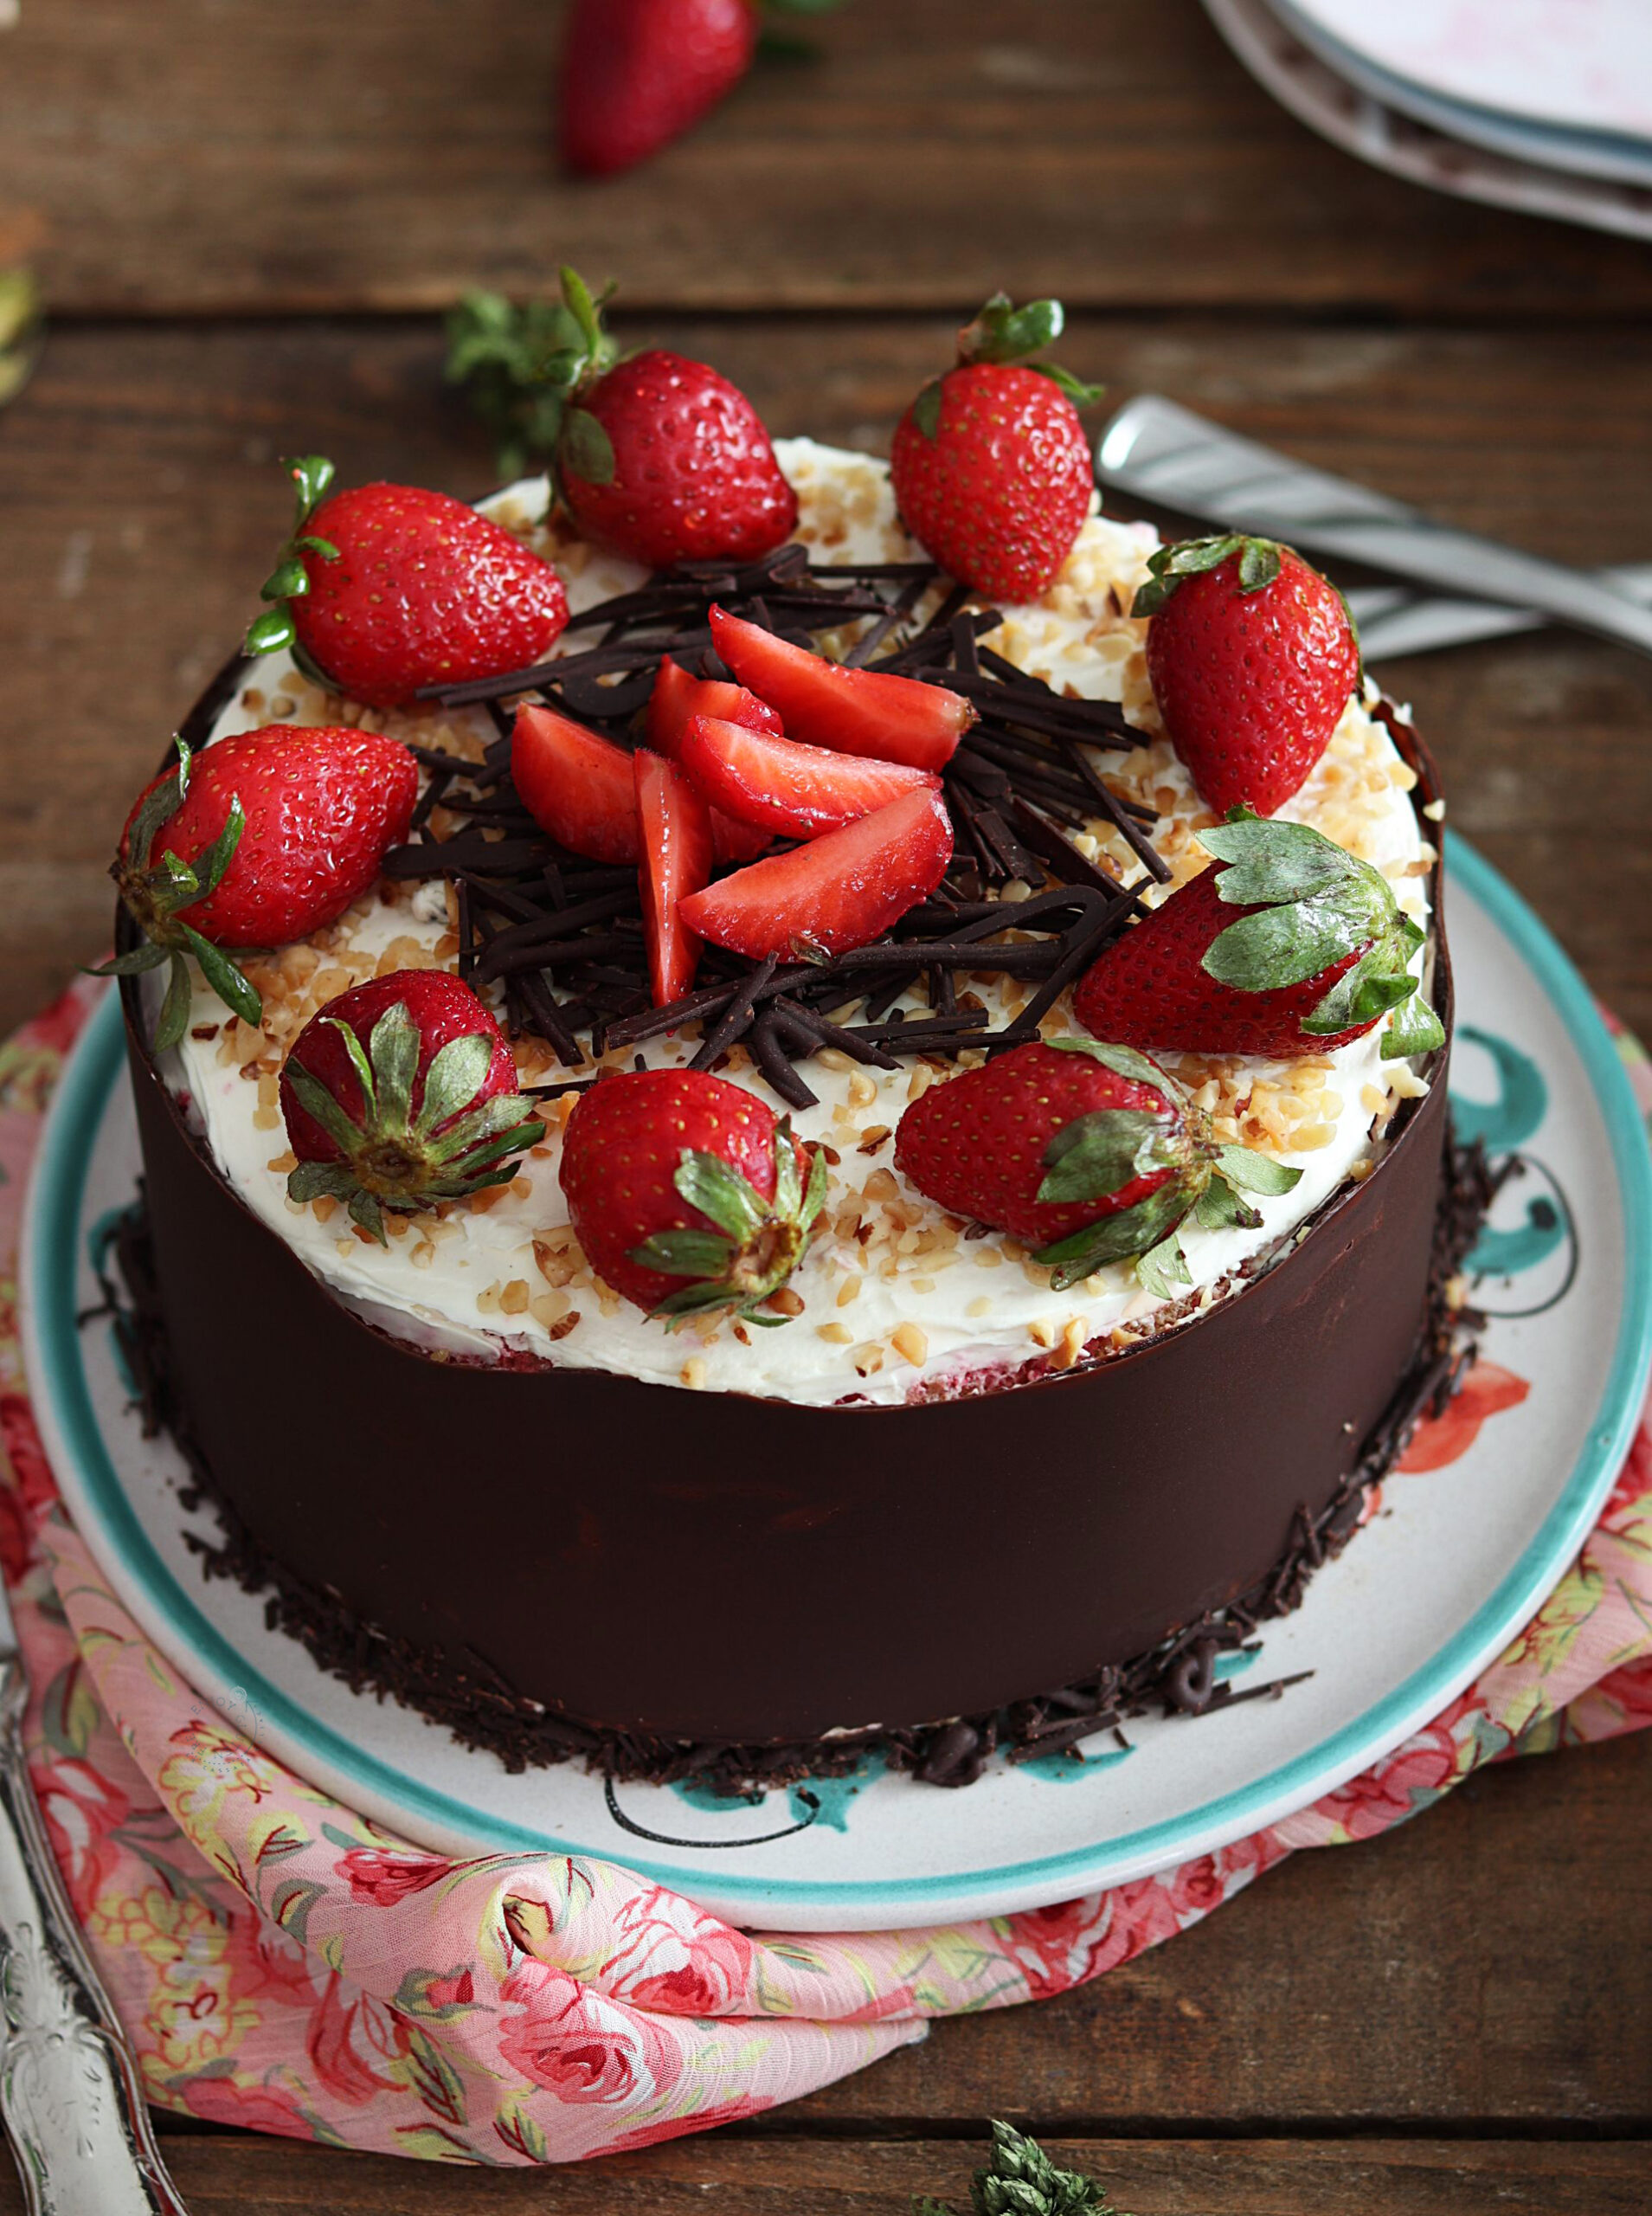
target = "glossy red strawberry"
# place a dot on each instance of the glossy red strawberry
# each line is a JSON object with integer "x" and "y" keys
{"x": 1088, "y": 1152}
{"x": 388, "y": 588}
{"x": 677, "y": 697}
{"x": 657, "y": 456}
{"x": 1288, "y": 945}
{"x": 400, "y": 1093}
{"x": 1252, "y": 659}
{"x": 674, "y": 826}
{"x": 261, "y": 840}
{"x": 850, "y": 711}
{"x": 799, "y": 791}
{"x": 990, "y": 464}
{"x": 841, "y": 889}
{"x": 637, "y": 74}
{"x": 686, "y": 1193}
{"x": 577, "y": 785}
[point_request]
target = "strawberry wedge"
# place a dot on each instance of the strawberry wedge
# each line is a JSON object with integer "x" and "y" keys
{"x": 575, "y": 784}
{"x": 674, "y": 825}
{"x": 676, "y": 698}
{"x": 800, "y": 790}
{"x": 840, "y": 891}
{"x": 851, "y": 711}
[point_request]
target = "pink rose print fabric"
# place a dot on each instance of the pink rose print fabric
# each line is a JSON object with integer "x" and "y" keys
{"x": 284, "y": 1966}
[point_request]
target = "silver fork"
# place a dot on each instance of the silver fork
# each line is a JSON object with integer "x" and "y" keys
{"x": 1154, "y": 449}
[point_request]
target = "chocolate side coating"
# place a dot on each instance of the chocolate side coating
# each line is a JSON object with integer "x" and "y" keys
{"x": 556, "y": 1561}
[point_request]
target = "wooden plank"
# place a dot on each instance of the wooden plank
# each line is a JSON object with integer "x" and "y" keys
{"x": 142, "y": 505}
{"x": 191, "y": 156}
{"x": 856, "y": 2178}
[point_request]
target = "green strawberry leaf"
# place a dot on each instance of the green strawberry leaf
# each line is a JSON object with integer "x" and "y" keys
{"x": 174, "y": 1017}
{"x": 364, "y": 1209}
{"x": 585, "y": 447}
{"x": 1415, "y": 1029}
{"x": 1123, "y": 1062}
{"x": 1271, "y": 862}
{"x": 707, "y": 1183}
{"x": 1220, "y": 1207}
{"x": 926, "y": 408}
{"x": 320, "y": 1106}
{"x": 1284, "y": 946}
{"x": 1256, "y": 1173}
{"x": 1080, "y": 393}
{"x": 311, "y": 1180}
{"x": 239, "y": 994}
{"x": 312, "y": 475}
{"x": 1163, "y": 1267}
{"x": 456, "y": 1075}
{"x": 1131, "y": 1231}
{"x": 269, "y": 633}
{"x": 392, "y": 1050}
{"x": 686, "y": 1253}
{"x": 1097, "y": 1154}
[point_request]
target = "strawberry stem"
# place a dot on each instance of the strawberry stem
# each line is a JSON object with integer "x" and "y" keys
{"x": 756, "y": 1243}
{"x": 275, "y": 630}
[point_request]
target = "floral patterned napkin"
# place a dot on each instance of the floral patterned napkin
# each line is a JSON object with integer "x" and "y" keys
{"x": 284, "y": 1965}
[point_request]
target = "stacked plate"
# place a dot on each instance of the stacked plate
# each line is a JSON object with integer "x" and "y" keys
{"x": 1524, "y": 103}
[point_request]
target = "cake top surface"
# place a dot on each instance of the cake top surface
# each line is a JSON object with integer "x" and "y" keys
{"x": 894, "y": 1296}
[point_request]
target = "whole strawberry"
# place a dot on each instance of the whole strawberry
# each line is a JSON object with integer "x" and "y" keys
{"x": 400, "y": 1093}
{"x": 1252, "y": 657}
{"x": 388, "y": 588}
{"x": 637, "y": 74}
{"x": 991, "y": 466}
{"x": 686, "y": 1193}
{"x": 1289, "y": 945}
{"x": 260, "y": 841}
{"x": 660, "y": 457}
{"x": 1088, "y": 1152}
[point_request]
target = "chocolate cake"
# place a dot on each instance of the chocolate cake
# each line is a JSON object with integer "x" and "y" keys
{"x": 928, "y": 1481}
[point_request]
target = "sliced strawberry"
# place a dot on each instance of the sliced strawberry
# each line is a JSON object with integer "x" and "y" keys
{"x": 678, "y": 695}
{"x": 675, "y": 825}
{"x": 840, "y": 891}
{"x": 575, "y": 784}
{"x": 676, "y": 698}
{"x": 798, "y": 790}
{"x": 851, "y": 711}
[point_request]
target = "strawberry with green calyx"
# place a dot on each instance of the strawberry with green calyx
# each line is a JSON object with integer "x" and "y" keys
{"x": 990, "y": 465}
{"x": 658, "y": 457}
{"x": 686, "y": 1193}
{"x": 1090, "y": 1153}
{"x": 1022, "y": 2181}
{"x": 400, "y": 1093}
{"x": 385, "y": 589}
{"x": 1319, "y": 952}
{"x": 261, "y": 840}
{"x": 1252, "y": 657}
{"x": 156, "y": 894}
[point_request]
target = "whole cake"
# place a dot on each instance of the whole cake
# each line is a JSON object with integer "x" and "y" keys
{"x": 826, "y": 1086}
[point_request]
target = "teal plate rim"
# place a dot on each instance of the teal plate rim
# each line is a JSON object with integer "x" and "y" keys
{"x": 57, "y": 1376}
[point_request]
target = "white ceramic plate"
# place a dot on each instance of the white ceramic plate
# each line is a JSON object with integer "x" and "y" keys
{"x": 1374, "y": 130}
{"x": 1391, "y": 1632}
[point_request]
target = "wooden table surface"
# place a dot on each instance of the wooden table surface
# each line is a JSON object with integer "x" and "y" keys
{"x": 247, "y": 217}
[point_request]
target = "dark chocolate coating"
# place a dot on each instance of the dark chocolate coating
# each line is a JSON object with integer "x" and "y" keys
{"x": 713, "y": 1565}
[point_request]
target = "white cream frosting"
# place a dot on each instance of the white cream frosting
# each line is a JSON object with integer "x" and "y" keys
{"x": 894, "y": 1297}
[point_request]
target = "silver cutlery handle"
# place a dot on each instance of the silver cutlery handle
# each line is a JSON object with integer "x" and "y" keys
{"x": 1160, "y": 451}
{"x": 70, "y": 2094}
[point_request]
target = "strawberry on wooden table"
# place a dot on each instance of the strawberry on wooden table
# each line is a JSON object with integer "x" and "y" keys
{"x": 261, "y": 840}
{"x": 1288, "y": 945}
{"x": 637, "y": 74}
{"x": 1090, "y": 1153}
{"x": 850, "y": 711}
{"x": 841, "y": 889}
{"x": 990, "y": 465}
{"x": 677, "y": 697}
{"x": 1252, "y": 658}
{"x": 674, "y": 831}
{"x": 387, "y": 588}
{"x": 655, "y": 455}
{"x": 575, "y": 784}
{"x": 400, "y": 1093}
{"x": 799, "y": 792}
{"x": 685, "y": 1193}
